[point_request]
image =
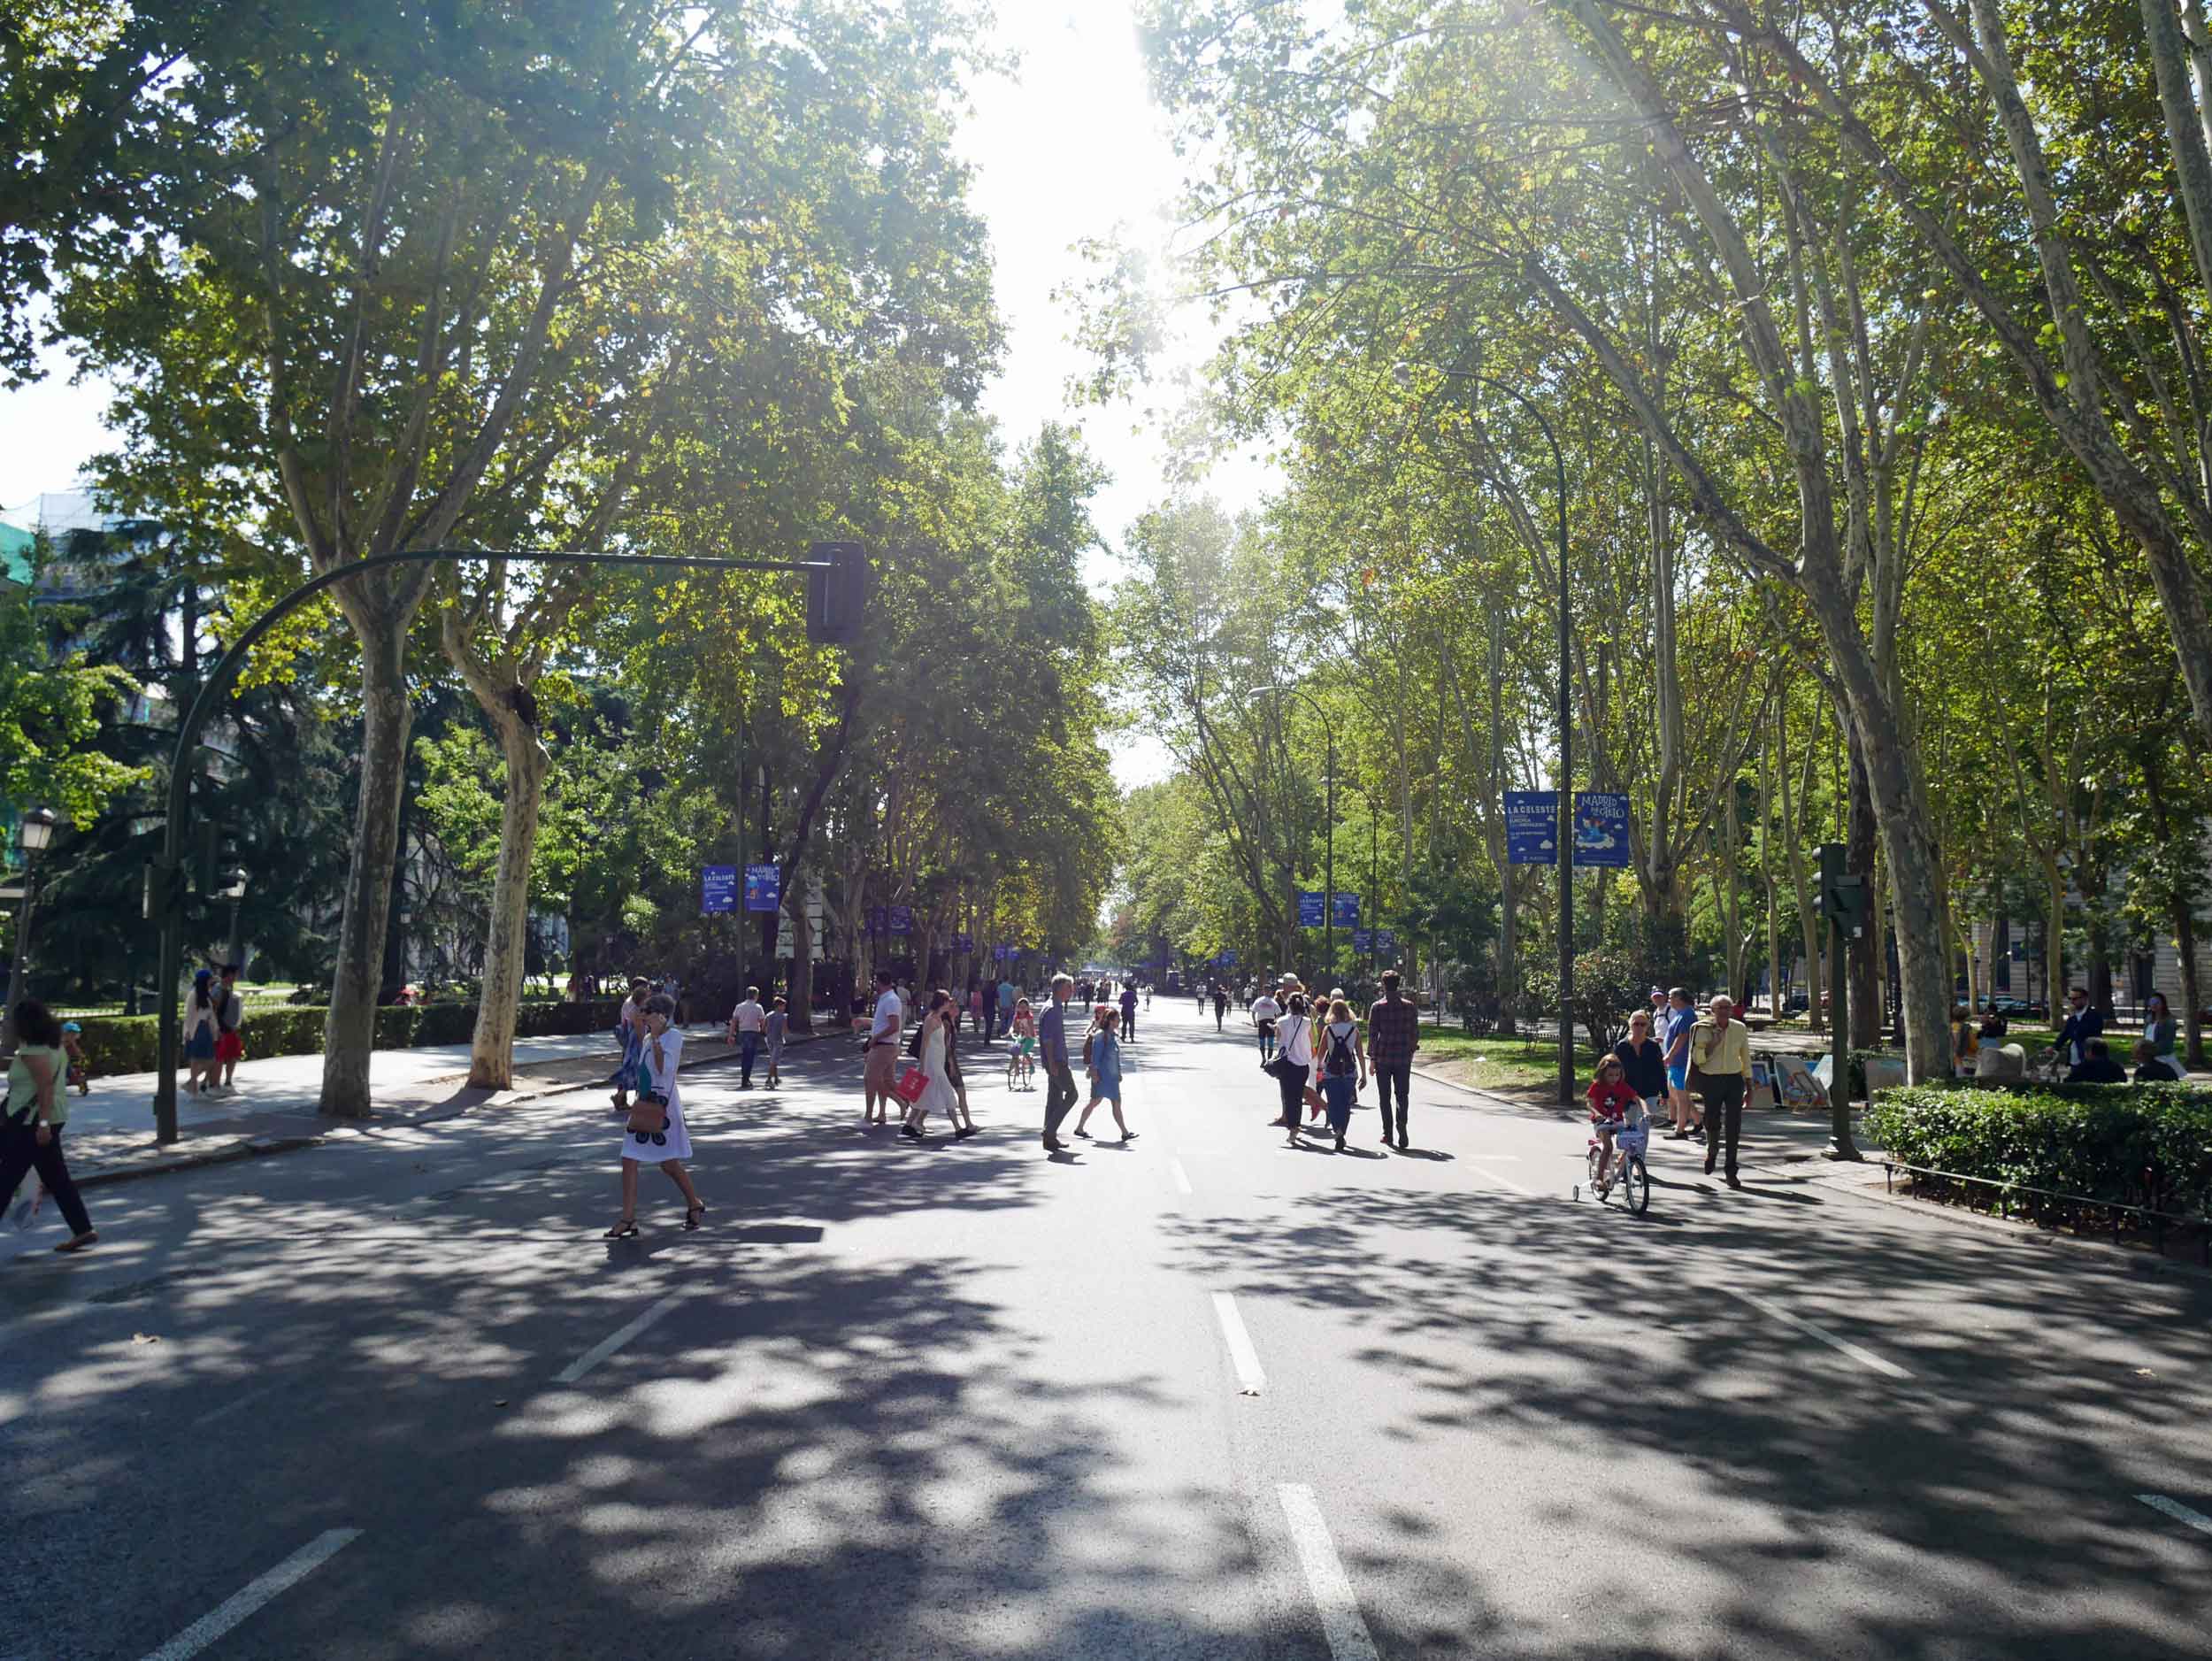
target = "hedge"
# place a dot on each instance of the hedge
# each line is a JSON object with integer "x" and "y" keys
{"x": 2133, "y": 1144}
{"x": 130, "y": 1043}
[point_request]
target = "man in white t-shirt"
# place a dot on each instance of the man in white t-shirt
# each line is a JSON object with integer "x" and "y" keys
{"x": 1265, "y": 1012}
{"x": 747, "y": 1021}
{"x": 880, "y": 1067}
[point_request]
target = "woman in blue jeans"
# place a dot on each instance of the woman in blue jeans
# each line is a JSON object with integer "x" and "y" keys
{"x": 1342, "y": 1064}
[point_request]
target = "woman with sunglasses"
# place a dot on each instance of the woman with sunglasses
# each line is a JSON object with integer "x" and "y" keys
{"x": 669, "y": 1147}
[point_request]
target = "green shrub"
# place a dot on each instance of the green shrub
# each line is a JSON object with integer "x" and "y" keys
{"x": 131, "y": 1043}
{"x": 2147, "y": 1144}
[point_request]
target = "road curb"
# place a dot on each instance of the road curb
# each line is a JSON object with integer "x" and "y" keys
{"x": 251, "y": 1147}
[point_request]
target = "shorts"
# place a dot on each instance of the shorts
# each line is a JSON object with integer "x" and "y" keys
{"x": 1678, "y": 1075}
{"x": 230, "y": 1047}
{"x": 1267, "y": 1029}
{"x": 1029, "y": 1046}
{"x": 882, "y": 1067}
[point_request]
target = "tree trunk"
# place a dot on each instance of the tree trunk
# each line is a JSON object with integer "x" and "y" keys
{"x": 492, "y": 1050}
{"x": 1794, "y": 847}
{"x": 2191, "y": 995}
{"x": 802, "y": 992}
{"x": 2054, "y": 938}
{"x": 350, "y": 1032}
{"x": 1732, "y": 890}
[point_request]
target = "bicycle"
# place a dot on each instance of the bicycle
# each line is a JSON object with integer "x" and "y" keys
{"x": 1020, "y": 1068}
{"x": 1630, "y": 1174}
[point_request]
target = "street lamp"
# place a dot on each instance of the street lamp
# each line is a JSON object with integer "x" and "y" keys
{"x": 233, "y": 889}
{"x": 32, "y": 835}
{"x": 1402, "y": 373}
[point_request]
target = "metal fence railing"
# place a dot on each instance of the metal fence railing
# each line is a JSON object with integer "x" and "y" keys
{"x": 2074, "y": 1207}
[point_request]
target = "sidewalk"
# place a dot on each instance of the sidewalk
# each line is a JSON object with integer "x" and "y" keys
{"x": 110, "y": 1133}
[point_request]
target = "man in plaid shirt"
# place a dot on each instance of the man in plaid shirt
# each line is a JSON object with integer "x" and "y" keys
{"x": 1394, "y": 1033}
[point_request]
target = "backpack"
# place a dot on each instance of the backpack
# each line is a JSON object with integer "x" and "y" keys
{"x": 1341, "y": 1062}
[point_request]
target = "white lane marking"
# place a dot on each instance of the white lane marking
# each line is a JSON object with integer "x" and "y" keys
{"x": 1500, "y": 1178}
{"x": 242, "y": 1603}
{"x": 1182, "y": 1177}
{"x": 1864, "y": 1357}
{"x": 1251, "y": 1380}
{"x": 1341, "y": 1624}
{"x": 2179, "y": 1512}
{"x": 246, "y": 1399}
{"x": 615, "y": 1339}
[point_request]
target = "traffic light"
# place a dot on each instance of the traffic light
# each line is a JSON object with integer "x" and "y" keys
{"x": 836, "y": 593}
{"x": 1842, "y": 893}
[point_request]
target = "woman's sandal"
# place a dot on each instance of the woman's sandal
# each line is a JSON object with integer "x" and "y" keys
{"x": 693, "y": 1213}
{"x": 627, "y": 1230}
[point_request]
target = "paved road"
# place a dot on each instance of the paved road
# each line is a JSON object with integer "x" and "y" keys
{"x": 1199, "y": 1396}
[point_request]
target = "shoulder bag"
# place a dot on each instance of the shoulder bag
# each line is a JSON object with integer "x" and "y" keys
{"x": 1281, "y": 1065}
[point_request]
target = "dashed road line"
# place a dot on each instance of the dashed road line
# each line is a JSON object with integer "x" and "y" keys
{"x": 1341, "y": 1624}
{"x": 1182, "y": 1177}
{"x": 615, "y": 1339}
{"x": 1251, "y": 1380}
{"x": 1864, "y": 1357}
{"x": 242, "y": 1604}
{"x": 2179, "y": 1512}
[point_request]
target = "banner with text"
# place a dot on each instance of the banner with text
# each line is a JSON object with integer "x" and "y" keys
{"x": 1532, "y": 828}
{"x": 717, "y": 890}
{"x": 1601, "y": 828}
{"x": 764, "y": 888}
{"x": 1310, "y": 908}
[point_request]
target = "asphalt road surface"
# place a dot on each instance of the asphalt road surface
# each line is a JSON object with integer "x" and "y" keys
{"x": 1200, "y": 1395}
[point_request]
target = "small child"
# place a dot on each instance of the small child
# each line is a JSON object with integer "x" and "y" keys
{"x": 1102, "y": 1056}
{"x": 80, "y": 1070}
{"x": 1026, "y": 1038}
{"x": 1614, "y": 1105}
{"x": 778, "y": 1024}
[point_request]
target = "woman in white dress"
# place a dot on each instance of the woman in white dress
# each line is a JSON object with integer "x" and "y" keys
{"x": 939, "y": 1096}
{"x": 670, "y": 1146}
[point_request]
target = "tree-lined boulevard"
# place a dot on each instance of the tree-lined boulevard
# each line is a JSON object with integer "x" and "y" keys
{"x": 713, "y": 836}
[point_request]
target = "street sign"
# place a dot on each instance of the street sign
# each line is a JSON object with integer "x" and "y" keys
{"x": 1600, "y": 828}
{"x": 1532, "y": 828}
{"x": 1309, "y": 908}
{"x": 1363, "y": 939}
{"x": 1346, "y": 909}
{"x": 764, "y": 888}
{"x": 717, "y": 890}
{"x": 902, "y": 919}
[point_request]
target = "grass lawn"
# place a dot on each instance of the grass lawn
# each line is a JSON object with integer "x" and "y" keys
{"x": 1499, "y": 1063}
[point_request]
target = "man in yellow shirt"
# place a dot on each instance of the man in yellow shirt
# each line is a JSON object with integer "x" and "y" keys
{"x": 1720, "y": 1054}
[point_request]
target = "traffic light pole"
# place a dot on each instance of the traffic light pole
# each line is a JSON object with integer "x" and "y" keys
{"x": 165, "y": 895}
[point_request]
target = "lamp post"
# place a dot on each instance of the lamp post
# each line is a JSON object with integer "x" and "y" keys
{"x": 1403, "y": 374}
{"x": 233, "y": 889}
{"x": 33, "y": 835}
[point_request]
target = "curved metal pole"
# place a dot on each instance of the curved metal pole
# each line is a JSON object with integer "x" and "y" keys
{"x": 170, "y": 873}
{"x": 1566, "y": 745}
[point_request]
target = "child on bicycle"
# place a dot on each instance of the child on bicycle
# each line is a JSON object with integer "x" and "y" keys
{"x": 1026, "y": 1035}
{"x": 1614, "y": 1107}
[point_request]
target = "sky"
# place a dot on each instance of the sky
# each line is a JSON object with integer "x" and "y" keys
{"x": 1068, "y": 147}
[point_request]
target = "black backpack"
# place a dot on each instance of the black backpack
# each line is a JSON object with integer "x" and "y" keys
{"x": 1341, "y": 1061}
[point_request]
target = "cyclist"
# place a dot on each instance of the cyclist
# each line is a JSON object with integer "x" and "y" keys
{"x": 1614, "y": 1107}
{"x": 1026, "y": 1038}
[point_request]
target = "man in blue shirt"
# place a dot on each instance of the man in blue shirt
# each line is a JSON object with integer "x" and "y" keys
{"x": 1674, "y": 1042}
{"x": 2083, "y": 1022}
{"x": 1052, "y": 1046}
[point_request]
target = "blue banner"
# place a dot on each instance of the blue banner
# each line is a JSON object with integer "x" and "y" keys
{"x": 1229, "y": 958}
{"x": 1532, "y": 828}
{"x": 1310, "y": 908}
{"x": 964, "y": 942}
{"x": 1363, "y": 939}
{"x": 878, "y": 918}
{"x": 1002, "y": 953}
{"x": 1386, "y": 941}
{"x": 764, "y": 888}
{"x": 1600, "y": 828}
{"x": 902, "y": 919}
{"x": 717, "y": 890}
{"x": 1346, "y": 909}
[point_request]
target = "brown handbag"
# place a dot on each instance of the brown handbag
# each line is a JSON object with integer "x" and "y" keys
{"x": 650, "y": 1116}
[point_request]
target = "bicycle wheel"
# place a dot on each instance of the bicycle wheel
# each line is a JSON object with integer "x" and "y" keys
{"x": 1590, "y": 1174}
{"x": 1635, "y": 1183}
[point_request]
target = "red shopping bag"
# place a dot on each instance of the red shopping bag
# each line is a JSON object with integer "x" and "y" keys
{"x": 911, "y": 1083}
